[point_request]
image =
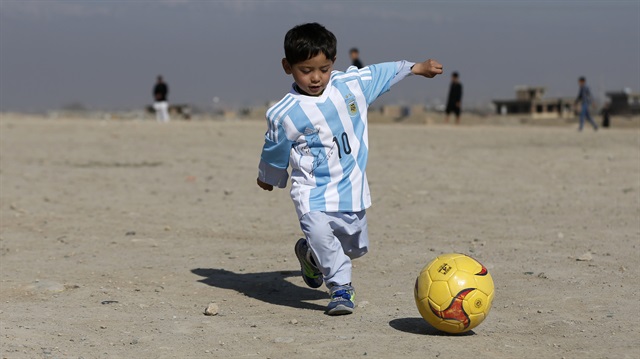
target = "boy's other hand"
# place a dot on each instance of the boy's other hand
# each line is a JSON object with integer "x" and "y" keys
{"x": 265, "y": 186}
{"x": 429, "y": 68}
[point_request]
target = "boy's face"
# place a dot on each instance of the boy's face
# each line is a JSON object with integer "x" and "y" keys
{"x": 312, "y": 75}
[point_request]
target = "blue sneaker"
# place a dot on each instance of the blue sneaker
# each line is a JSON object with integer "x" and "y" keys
{"x": 342, "y": 297}
{"x": 310, "y": 273}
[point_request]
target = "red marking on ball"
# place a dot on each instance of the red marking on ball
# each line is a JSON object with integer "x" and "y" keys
{"x": 455, "y": 311}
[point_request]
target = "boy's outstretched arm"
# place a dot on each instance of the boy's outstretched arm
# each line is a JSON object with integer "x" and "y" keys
{"x": 429, "y": 68}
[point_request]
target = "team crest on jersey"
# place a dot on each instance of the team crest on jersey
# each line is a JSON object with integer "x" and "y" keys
{"x": 353, "y": 108}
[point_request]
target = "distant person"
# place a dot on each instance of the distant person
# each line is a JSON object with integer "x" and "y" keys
{"x": 160, "y": 105}
{"x": 605, "y": 114}
{"x": 584, "y": 98}
{"x": 319, "y": 129}
{"x": 454, "y": 101}
{"x": 355, "y": 58}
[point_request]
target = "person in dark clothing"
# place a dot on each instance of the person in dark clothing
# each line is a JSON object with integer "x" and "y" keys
{"x": 605, "y": 114}
{"x": 355, "y": 58}
{"x": 160, "y": 105}
{"x": 454, "y": 100}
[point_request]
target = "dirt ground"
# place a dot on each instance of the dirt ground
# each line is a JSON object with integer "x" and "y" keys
{"x": 116, "y": 235}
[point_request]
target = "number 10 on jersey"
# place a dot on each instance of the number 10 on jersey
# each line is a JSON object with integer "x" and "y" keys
{"x": 343, "y": 144}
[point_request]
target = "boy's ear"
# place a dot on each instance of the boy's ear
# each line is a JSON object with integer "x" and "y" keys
{"x": 286, "y": 66}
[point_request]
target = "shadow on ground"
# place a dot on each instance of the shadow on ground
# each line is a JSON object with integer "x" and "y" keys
{"x": 420, "y": 326}
{"x": 269, "y": 287}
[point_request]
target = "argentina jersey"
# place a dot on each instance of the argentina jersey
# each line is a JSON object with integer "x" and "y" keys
{"x": 324, "y": 140}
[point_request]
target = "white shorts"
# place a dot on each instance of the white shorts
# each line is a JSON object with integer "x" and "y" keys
{"x": 335, "y": 238}
{"x": 162, "y": 111}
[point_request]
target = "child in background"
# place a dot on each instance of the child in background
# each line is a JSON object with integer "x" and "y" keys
{"x": 320, "y": 129}
{"x": 354, "y": 54}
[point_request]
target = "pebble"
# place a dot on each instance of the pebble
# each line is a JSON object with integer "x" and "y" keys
{"x": 585, "y": 257}
{"x": 363, "y": 304}
{"x": 46, "y": 286}
{"x": 212, "y": 309}
{"x": 16, "y": 208}
{"x": 293, "y": 321}
{"x": 283, "y": 340}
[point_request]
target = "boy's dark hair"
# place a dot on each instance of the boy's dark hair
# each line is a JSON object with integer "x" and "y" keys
{"x": 308, "y": 40}
{"x": 354, "y": 49}
{"x": 582, "y": 79}
{"x": 455, "y": 74}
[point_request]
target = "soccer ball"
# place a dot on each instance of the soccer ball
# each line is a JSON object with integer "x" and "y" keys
{"x": 454, "y": 293}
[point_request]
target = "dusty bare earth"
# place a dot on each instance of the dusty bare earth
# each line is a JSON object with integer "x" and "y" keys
{"x": 116, "y": 235}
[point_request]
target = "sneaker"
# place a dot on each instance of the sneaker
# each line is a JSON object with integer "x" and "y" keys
{"x": 342, "y": 297}
{"x": 310, "y": 273}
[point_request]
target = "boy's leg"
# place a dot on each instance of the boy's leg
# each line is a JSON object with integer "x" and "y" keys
{"x": 352, "y": 232}
{"x": 335, "y": 239}
{"x": 330, "y": 258}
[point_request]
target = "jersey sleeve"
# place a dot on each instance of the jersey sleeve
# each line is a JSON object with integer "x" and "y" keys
{"x": 274, "y": 159}
{"x": 378, "y": 79}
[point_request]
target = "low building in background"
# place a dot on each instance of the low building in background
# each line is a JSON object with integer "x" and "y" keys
{"x": 624, "y": 102}
{"x": 530, "y": 101}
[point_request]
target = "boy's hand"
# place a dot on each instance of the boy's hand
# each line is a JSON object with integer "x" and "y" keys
{"x": 265, "y": 186}
{"x": 429, "y": 68}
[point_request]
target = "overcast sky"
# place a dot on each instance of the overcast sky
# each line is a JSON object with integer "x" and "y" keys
{"x": 106, "y": 54}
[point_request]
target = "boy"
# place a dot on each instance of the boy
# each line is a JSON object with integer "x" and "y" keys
{"x": 320, "y": 129}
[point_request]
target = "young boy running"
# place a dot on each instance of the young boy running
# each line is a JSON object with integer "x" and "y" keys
{"x": 320, "y": 129}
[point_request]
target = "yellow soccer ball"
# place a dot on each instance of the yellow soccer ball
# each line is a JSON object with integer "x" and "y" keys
{"x": 454, "y": 293}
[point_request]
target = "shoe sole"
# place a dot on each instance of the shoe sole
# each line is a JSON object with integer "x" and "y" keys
{"x": 340, "y": 310}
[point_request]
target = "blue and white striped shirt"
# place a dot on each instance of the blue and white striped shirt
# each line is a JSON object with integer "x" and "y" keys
{"x": 325, "y": 140}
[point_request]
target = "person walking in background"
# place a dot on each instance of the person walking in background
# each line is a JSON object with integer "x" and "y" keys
{"x": 584, "y": 98}
{"x": 355, "y": 58}
{"x": 160, "y": 105}
{"x": 454, "y": 102}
